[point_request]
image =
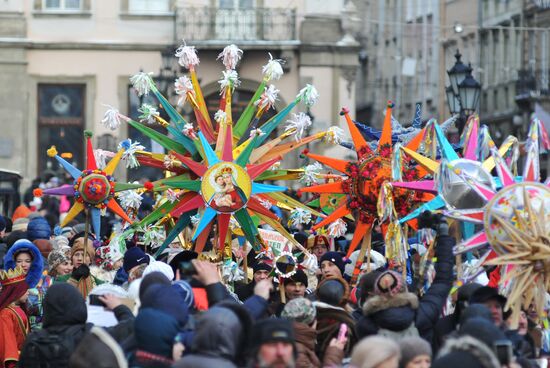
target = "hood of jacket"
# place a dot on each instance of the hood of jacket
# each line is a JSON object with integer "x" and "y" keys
{"x": 305, "y": 335}
{"x": 394, "y": 313}
{"x": 37, "y": 265}
{"x": 64, "y": 306}
{"x": 219, "y": 333}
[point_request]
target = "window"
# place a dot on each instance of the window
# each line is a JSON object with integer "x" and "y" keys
{"x": 61, "y": 123}
{"x": 62, "y": 5}
{"x": 149, "y": 6}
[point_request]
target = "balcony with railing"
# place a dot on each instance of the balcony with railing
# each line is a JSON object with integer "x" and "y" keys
{"x": 532, "y": 83}
{"x": 254, "y": 25}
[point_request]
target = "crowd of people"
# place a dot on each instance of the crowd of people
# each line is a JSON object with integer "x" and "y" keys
{"x": 71, "y": 299}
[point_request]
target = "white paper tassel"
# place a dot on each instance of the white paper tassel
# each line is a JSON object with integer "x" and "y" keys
{"x": 168, "y": 161}
{"x": 189, "y": 131}
{"x": 230, "y": 80}
{"x": 171, "y": 195}
{"x": 148, "y": 114}
{"x": 337, "y": 228}
{"x": 231, "y": 272}
{"x": 141, "y": 82}
{"x": 310, "y": 174}
{"x": 273, "y": 70}
{"x": 129, "y": 154}
{"x": 335, "y": 135}
{"x": 256, "y": 132}
{"x": 187, "y": 56}
{"x": 300, "y": 122}
{"x": 268, "y": 98}
{"x": 130, "y": 199}
{"x": 230, "y": 56}
{"x": 310, "y": 262}
{"x": 101, "y": 157}
{"x": 299, "y": 216}
{"x": 153, "y": 236}
{"x": 182, "y": 86}
{"x": 308, "y": 95}
{"x": 195, "y": 219}
{"x": 220, "y": 117}
{"x": 111, "y": 118}
{"x": 265, "y": 203}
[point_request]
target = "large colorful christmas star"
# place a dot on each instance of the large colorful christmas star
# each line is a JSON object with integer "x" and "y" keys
{"x": 362, "y": 180}
{"x": 93, "y": 189}
{"x": 516, "y": 223}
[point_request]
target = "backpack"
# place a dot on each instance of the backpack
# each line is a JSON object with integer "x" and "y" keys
{"x": 48, "y": 349}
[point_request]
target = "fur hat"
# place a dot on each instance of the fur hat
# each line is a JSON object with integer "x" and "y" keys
{"x": 37, "y": 265}
{"x": 157, "y": 266}
{"x": 411, "y": 347}
{"x": 372, "y": 351}
{"x": 300, "y": 310}
{"x": 333, "y": 291}
{"x": 465, "y": 351}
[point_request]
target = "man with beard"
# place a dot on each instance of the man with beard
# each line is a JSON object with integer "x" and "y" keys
{"x": 274, "y": 343}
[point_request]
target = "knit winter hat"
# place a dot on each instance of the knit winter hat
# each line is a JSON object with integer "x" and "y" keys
{"x": 134, "y": 257}
{"x": 55, "y": 258}
{"x": 300, "y": 310}
{"x": 157, "y": 266}
{"x": 38, "y": 228}
{"x": 20, "y": 212}
{"x": 372, "y": 351}
{"x": 165, "y": 299}
{"x": 261, "y": 266}
{"x": 333, "y": 291}
{"x": 389, "y": 283}
{"x": 298, "y": 276}
{"x": 411, "y": 347}
{"x": 20, "y": 224}
{"x": 186, "y": 291}
{"x": 337, "y": 258}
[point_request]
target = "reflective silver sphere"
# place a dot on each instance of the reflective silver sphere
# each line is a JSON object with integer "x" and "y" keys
{"x": 456, "y": 193}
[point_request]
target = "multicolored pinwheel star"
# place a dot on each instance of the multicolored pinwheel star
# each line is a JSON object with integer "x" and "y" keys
{"x": 93, "y": 189}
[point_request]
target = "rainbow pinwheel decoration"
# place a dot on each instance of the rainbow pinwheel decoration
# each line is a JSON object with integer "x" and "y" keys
{"x": 516, "y": 223}
{"x": 218, "y": 164}
{"x": 362, "y": 180}
{"x": 93, "y": 189}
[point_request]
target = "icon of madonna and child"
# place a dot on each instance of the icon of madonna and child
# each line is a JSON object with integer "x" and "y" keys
{"x": 225, "y": 182}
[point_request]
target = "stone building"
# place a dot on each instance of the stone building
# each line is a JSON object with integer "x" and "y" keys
{"x": 61, "y": 61}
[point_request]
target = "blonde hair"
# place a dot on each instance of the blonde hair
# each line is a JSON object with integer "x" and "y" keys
{"x": 372, "y": 351}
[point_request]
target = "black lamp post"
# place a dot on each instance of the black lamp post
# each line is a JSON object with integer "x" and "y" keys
{"x": 167, "y": 74}
{"x": 463, "y": 93}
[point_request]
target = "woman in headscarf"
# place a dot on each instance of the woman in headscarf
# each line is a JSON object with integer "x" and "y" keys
{"x": 82, "y": 255}
{"x": 25, "y": 254}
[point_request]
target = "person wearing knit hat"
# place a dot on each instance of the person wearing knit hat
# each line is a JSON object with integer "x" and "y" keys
{"x": 333, "y": 264}
{"x": 295, "y": 285}
{"x": 261, "y": 271}
{"x": 38, "y": 228}
{"x": 157, "y": 266}
{"x": 81, "y": 255}
{"x": 465, "y": 351}
{"x": 274, "y": 343}
{"x": 21, "y": 211}
{"x": 134, "y": 257}
{"x": 375, "y": 352}
{"x": 415, "y": 353}
{"x": 20, "y": 224}
{"x": 59, "y": 263}
{"x": 300, "y": 310}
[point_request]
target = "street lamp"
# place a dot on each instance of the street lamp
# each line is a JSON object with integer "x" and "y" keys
{"x": 463, "y": 93}
{"x": 167, "y": 73}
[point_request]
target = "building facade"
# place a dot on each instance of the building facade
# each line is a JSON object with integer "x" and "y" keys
{"x": 62, "y": 61}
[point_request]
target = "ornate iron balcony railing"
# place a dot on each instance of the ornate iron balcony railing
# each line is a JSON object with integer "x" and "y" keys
{"x": 255, "y": 24}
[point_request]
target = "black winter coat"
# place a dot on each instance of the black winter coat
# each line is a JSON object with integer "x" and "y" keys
{"x": 399, "y": 312}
